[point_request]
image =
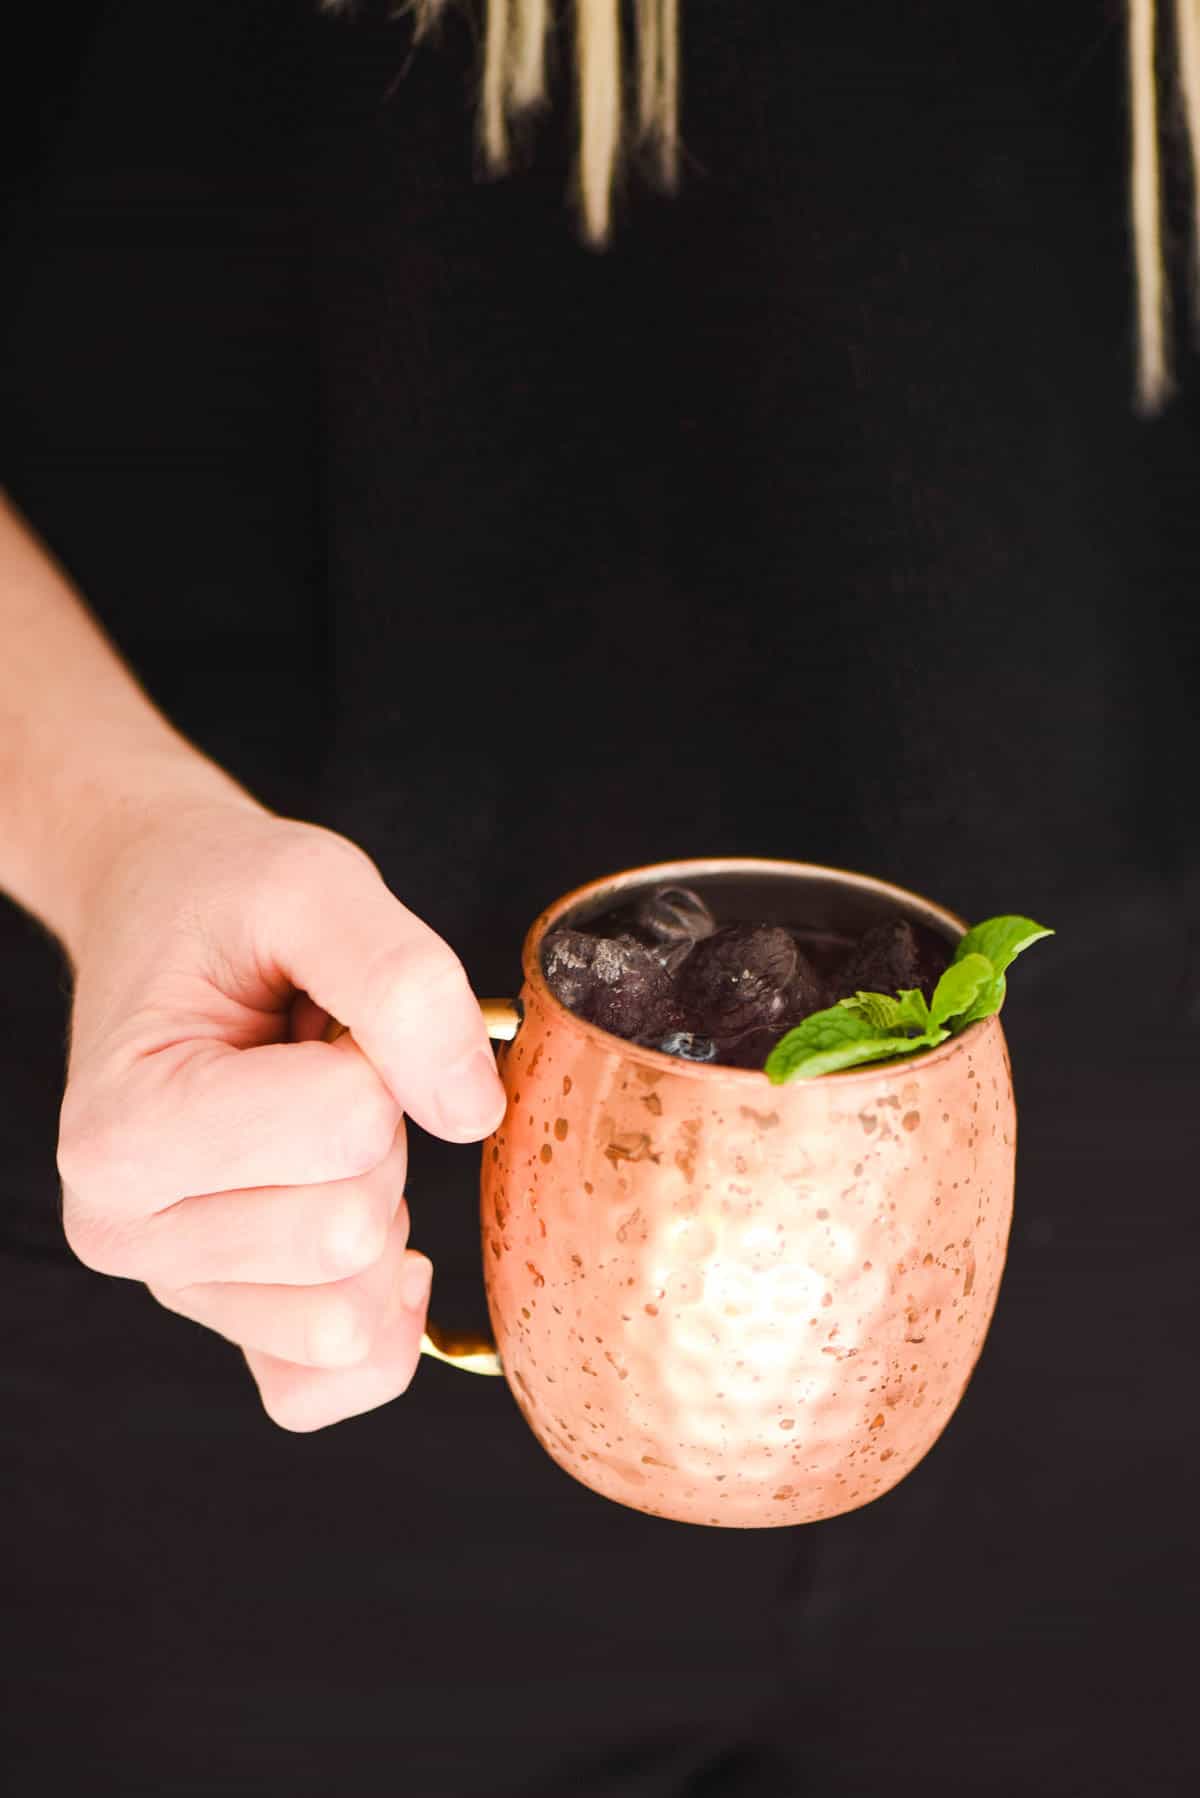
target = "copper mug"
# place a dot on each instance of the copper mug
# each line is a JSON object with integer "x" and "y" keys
{"x": 723, "y": 1301}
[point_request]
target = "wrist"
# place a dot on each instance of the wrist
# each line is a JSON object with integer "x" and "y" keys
{"x": 115, "y": 810}
{"x": 87, "y": 763}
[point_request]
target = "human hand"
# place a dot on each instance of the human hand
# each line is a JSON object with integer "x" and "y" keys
{"x": 212, "y": 1146}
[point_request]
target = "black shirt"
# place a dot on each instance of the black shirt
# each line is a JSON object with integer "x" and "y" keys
{"x": 813, "y": 520}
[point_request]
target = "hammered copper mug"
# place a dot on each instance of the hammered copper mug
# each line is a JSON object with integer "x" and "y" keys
{"x": 723, "y": 1301}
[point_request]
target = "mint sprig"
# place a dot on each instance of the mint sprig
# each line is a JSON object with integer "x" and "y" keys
{"x": 840, "y": 1038}
{"x": 871, "y": 1027}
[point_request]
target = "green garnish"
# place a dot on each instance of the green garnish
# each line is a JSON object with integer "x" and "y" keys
{"x": 880, "y": 1026}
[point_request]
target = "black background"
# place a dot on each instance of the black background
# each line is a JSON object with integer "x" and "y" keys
{"x": 857, "y": 433}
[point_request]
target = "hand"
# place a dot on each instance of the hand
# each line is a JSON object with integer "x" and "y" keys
{"x": 212, "y": 1146}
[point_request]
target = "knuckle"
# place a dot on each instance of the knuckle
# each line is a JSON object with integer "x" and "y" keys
{"x": 308, "y": 854}
{"x": 288, "y": 1415}
{"x": 98, "y": 1146}
{"x": 84, "y": 1142}
{"x": 93, "y": 1244}
{"x": 331, "y": 847}
{"x": 288, "y": 1406}
{"x": 354, "y": 1234}
{"x": 419, "y": 979}
{"x": 169, "y": 1297}
{"x": 401, "y": 1225}
{"x": 336, "y": 1334}
{"x": 405, "y": 1374}
{"x": 369, "y": 1130}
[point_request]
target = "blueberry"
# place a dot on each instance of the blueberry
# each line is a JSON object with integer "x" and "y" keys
{"x": 687, "y": 1046}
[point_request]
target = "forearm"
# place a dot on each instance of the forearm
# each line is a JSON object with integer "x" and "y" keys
{"x": 85, "y": 758}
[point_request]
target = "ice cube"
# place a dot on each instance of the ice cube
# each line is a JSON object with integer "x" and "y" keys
{"x": 567, "y": 957}
{"x": 615, "y": 982}
{"x": 671, "y": 956}
{"x": 744, "y": 977}
{"x": 675, "y": 915}
{"x": 890, "y": 957}
{"x": 749, "y": 1050}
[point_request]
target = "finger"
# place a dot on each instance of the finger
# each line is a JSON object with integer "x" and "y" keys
{"x": 306, "y": 1020}
{"x": 314, "y": 1326}
{"x": 305, "y": 1398}
{"x": 344, "y": 939}
{"x": 276, "y": 1235}
{"x": 204, "y": 1117}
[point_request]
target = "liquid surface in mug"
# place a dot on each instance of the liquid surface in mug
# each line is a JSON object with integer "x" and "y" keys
{"x": 698, "y": 972}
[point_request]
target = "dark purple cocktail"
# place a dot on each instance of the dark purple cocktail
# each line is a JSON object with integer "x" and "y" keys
{"x": 673, "y": 974}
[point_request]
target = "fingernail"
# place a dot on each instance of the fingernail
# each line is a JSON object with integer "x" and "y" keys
{"x": 416, "y": 1277}
{"x": 472, "y": 1101}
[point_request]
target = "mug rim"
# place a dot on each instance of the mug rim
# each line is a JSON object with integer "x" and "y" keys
{"x": 699, "y": 866}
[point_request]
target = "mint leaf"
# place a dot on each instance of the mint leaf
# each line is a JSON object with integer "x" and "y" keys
{"x": 959, "y": 986}
{"x": 879, "y": 1027}
{"x": 827, "y": 1029}
{"x": 883, "y": 1014}
{"x": 907, "y": 1011}
{"x": 838, "y": 1038}
{"x": 1000, "y": 939}
{"x": 988, "y": 1000}
{"x": 914, "y": 1009}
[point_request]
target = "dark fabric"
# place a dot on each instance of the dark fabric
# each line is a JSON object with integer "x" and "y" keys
{"x": 811, "y": 520}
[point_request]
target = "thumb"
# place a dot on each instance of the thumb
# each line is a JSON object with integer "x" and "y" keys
{"x": 344, "y": 939}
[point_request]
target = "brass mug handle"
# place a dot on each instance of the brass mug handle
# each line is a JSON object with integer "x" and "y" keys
{"x": 473, "y": 1354}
